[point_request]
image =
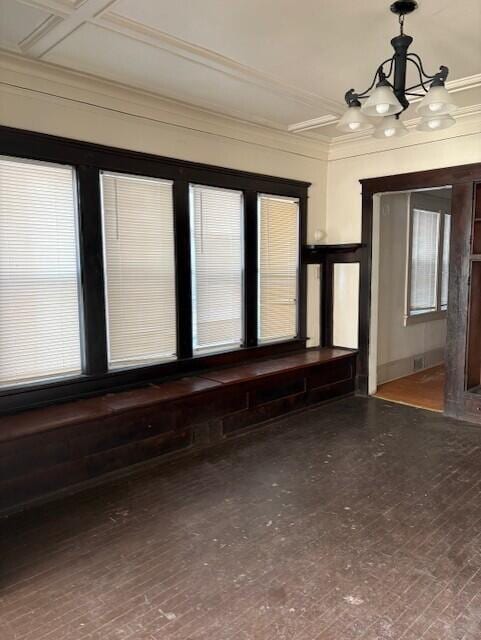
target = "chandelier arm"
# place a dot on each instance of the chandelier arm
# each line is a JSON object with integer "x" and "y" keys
{"x": 391, "y": 66}
{"x": 421, "y": 74}
{"x": 413, "y": 57}
{"x": 378, "y": 74}
{"x": 415, "y": 86}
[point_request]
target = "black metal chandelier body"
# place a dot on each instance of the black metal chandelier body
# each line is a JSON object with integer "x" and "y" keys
{"x": 389, "y": 84}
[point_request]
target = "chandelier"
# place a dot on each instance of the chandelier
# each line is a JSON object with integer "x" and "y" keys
{"x": 387, "y": 97}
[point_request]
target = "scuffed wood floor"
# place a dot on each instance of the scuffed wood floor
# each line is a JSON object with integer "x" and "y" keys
{"x": 357, "y": 520}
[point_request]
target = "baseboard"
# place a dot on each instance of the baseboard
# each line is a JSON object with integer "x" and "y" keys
{"x": 405, "y": 366}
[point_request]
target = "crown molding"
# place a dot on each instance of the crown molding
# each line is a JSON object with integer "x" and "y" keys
{"x": 453, "y": 86}
{"x": 20, "y": 74}
{"x": 349, "y": 145}
{"x": 463, "y": 84}
{"x": 315, "y": 123}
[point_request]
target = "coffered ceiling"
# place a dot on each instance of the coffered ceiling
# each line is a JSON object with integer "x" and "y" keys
{"x": 271, "y": 62}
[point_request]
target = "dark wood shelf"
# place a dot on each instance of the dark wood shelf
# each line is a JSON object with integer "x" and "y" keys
{"x": 316, "y": 253}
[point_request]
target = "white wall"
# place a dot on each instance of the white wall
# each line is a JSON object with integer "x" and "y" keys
{"x": 42, "y": 98}
{"x": 397, "y": 344}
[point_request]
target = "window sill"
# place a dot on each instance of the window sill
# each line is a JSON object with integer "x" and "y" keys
{"x": 425, "y": 317}
{"x": 40, "y": 394}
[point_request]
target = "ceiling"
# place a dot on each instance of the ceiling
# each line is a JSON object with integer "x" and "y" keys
{"x": 271, "y": 62}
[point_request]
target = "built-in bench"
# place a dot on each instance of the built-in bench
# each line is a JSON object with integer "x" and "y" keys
{"x": 45, "y": 450}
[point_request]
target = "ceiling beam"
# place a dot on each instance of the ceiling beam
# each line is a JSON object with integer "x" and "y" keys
{"x": 46, "y": 39}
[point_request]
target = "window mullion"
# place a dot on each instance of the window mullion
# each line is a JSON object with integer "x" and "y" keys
{"x": 92, "y": 271}
{"x": 183, "y": 276}
{"x": 250, "y": 268}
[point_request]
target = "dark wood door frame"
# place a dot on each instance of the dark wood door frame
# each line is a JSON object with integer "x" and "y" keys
{"x": 326, "y": 256}
{"x": 462, "y": 179}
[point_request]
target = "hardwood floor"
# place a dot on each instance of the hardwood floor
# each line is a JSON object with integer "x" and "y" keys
{"x": 357, "y": 520}
{"x": 424, "y": 389}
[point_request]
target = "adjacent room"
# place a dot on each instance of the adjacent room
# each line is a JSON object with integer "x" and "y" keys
{"x": 414, "y": 238}
{"x": 240, "y": 320}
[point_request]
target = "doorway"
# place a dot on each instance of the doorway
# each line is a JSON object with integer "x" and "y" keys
{"x": 462, "y": 398}
{"x": 412, "y": 296}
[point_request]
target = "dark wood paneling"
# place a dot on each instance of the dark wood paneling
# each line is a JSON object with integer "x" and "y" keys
{"x": 362, "y": 386}
{"x": 462, "y": 211}
{"x": 276, "y": 388}
{"x": 45, "y": 450}
{"x": 316, "y": 253}
{"x": 443, "y": 177}
{"x": 43, "y": 394}
{"x": 335, "y": 372}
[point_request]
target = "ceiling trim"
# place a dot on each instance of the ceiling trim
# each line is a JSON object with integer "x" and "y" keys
{"x": 315, "y": 123}
{"x": 47, "y": 38}
{"x": 462, "y": 84}
{"x": 61, "y": 8}
{"x": 18, "y": 73}
{"x": 351, "y": 145}
{"x": 212, "y": 60}
{"x": 97, "y": 12}
{"x": 453, "y": 86}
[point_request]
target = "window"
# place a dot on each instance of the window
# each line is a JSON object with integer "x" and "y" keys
{"x": 278, "y": 267}
{"x": 39, "y": 282}
{"x": 217, "y": 268}
{"x": 117, "y": 267}
{"x": 139, "y": 269}
{"x": 427, "y": 293}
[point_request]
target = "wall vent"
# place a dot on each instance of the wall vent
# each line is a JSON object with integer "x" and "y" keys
{"x": 418, "y": 363}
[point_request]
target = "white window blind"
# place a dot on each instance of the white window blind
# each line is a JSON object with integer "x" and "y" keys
{"x": 278, "y": 267}
{"x": 217, "y": 268}
{"x": 445, "y": 265}
{"x": 139, "y": 269}
{"x": 424, "y": 261}
{"x": 39, "y": 283}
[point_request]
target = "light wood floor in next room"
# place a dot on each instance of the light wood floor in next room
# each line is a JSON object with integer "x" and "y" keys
{"x": 423, "y": 389}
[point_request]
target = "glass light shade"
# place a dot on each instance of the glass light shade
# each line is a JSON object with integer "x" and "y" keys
{"x": 436, "y": 122}
{"x": 353, "y": 120}
{"x": 390, "y": 127}
{"x": 382, "y": 102}
{"x": 437, "y": 101}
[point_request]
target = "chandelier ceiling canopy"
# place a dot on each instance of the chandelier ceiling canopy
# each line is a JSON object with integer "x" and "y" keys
{"x": 388, "y": 96}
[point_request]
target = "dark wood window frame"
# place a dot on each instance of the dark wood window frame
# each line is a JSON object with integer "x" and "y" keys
{"x": 464, "y": 180}
{"x": 88, "y": 160}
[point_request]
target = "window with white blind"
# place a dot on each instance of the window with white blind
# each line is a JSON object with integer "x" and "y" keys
{"x": 39, "y": 276}
{"x": 278, "y": 243}
{"x": 139, "y": 269}
{"x": 216, "y": 217}
{"x": 429, "y": 236}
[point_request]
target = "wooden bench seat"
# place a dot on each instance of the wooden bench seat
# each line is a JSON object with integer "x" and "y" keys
{"x": 48, "y": 449}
